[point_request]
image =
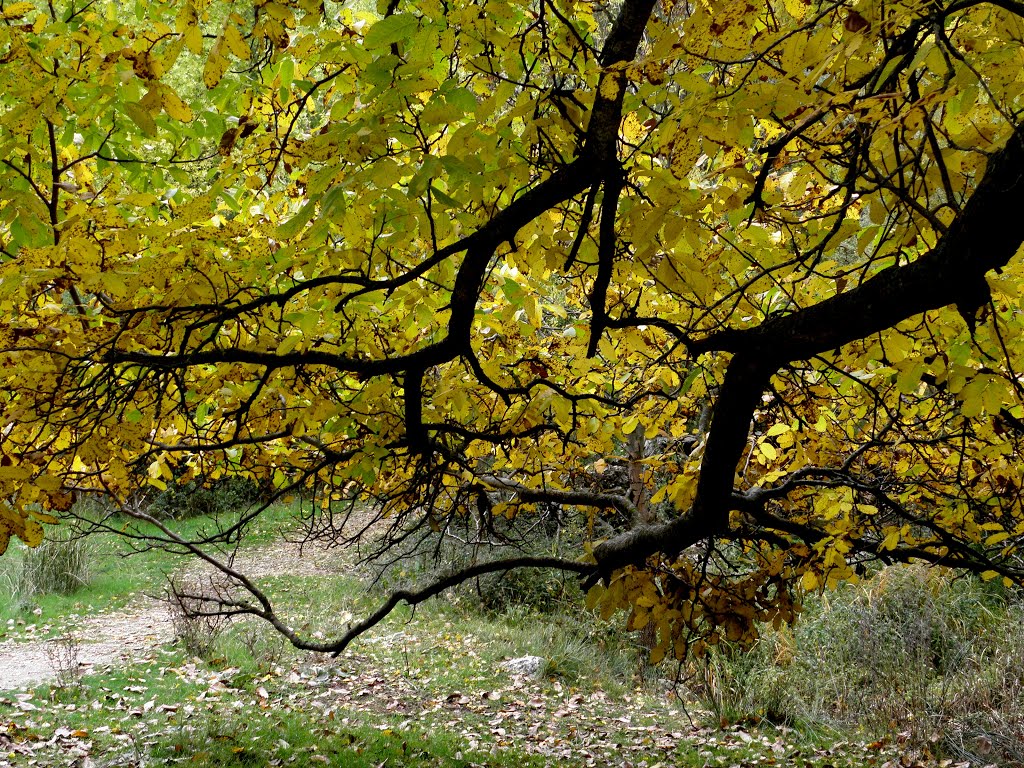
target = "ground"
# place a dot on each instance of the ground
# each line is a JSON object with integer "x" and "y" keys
{"x": 420, "y": 691}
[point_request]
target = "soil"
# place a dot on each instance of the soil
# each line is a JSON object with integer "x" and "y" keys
{"x": 138, "y": 630}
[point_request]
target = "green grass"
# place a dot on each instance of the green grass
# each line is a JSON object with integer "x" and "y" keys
{"x": 273, "y": 738}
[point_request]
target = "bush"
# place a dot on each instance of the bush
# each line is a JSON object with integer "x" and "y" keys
{"x": 60, "y": 565}
{"x": 197, "y": 498}
{"x": 193, "y": 604}
{"x": 911, "y": 651}
{"x": 541, "y": 590}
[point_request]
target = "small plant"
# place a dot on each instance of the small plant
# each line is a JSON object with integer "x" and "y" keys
{"x": 62, "y": 653}
{"x": 196, "y": 613}
{"x": 256, "y": 646}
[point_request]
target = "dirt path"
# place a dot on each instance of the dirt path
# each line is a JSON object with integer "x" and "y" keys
{"x": 138, "y": 629}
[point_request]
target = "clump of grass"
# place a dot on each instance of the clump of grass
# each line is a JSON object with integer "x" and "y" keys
{"x": 61, "y": 565}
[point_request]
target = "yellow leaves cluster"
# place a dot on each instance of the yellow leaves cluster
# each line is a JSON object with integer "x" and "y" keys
{"x": 17, "y": 10}
{"x": 692, "y": 608}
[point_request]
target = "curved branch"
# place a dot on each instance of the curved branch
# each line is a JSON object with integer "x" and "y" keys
{"x": 410, "y": 597}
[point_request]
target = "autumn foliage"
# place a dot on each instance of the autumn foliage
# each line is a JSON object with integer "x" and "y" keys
{"x": 453, "y": 262}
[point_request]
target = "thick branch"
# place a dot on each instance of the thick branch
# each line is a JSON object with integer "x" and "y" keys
{"x": 745, "y": 380}
{"x": 983, "y": 237}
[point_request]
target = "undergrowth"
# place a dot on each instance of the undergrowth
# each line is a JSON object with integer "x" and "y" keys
{"x": 911, "y": 653}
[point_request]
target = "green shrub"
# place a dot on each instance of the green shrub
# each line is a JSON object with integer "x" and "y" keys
{"x": 540, "y": 590}
{"x": 196, "y": 498}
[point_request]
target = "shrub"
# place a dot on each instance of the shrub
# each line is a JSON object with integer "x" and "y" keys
{"x": 196, "y": 498}
{"x": 911, "y": 650}
{"x": 195, "y": 615}
{"x": 540, "y": 590}
{"x": 62, "y": 653}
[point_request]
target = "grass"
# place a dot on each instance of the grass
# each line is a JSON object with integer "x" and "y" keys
{"x": 912, "y": 651}
{"x": 276, "y": 739}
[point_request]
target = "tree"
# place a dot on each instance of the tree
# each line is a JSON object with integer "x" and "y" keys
{"x": 445, "y": 261}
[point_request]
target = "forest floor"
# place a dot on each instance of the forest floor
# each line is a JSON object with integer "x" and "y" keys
{"x": 116, "y": 688}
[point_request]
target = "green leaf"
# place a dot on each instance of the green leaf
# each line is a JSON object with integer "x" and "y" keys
{"x": 294, "y": 225}
{"x": 392, "y": 29}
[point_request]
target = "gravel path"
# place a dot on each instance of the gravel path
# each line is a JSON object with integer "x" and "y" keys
{"x": 138, "y": 629}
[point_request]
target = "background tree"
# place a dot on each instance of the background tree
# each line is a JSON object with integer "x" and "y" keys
{"x": 443, "y": 261}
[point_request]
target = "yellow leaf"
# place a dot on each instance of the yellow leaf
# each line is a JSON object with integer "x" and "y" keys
{"x": 289, "y": 343}
{"x": 141, "y": 199}
{"x": 639, "y": 620}
{"x": 175, "y": 107}
{"x": 796, "y": 8}
{"x": 48, "y": 482}
{"x": 809, "y": 581}
{"x": 15, "y": 473}
{"x": 33, "y": 533}
{"x": 891, "y": 540}
{"x": 235, "y": 42}
{"x": 657, "y": 654}
{"x": 187, "y": 17}
{"x": 193, "y": 37}
{"x": 685, "y": 151}
{"x": 611, "y": 86}
{"x": 215, "y": 67}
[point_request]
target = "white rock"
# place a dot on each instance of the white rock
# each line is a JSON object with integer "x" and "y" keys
{"x": 529, "y": 666}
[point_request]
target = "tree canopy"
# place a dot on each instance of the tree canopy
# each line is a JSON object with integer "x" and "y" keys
{"x": 452, "y": 261}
